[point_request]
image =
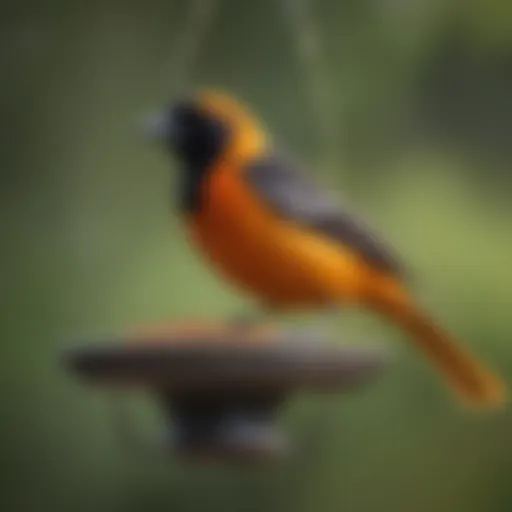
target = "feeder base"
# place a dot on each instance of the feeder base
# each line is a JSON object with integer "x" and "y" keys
{"x": 226, "y": 425}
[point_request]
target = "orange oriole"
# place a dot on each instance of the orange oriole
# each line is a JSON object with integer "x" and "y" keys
{"x": 270, "y": 230}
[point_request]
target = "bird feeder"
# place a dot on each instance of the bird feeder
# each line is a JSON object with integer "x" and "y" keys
{"x": 222, "y": 387}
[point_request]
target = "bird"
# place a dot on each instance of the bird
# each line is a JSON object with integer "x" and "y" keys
{"x": 274, "y": 233}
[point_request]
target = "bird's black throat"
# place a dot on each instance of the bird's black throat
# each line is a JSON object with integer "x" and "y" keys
{"x": 191, "y": 185}
{"x": 197, "y": 140}
{"x": 198, "y": 157}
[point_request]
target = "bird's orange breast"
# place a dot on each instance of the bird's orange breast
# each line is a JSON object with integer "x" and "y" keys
{"x": 279, "y": 263}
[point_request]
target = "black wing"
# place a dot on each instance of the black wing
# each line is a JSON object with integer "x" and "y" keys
{"x": 293, "y": 195}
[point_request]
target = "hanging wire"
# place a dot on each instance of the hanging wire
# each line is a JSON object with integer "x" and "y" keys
{"x": 321, "y": 89}
{"x": 323, "y": 102}
{"x": 189, "y": 42}
{"x": 186, "y": 50}
{"x": 325, "y": 113}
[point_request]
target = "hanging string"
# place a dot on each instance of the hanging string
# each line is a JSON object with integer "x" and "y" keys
{"x": 325, "y": 114}
{"x": 190, "y": 40}
{"x": 186, "y": 48}
{"x": 320, "y": 87}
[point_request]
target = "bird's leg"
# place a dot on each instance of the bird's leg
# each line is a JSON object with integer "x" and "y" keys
{"x": 256, "y": 325}
{"x": 319, "y": 328}
{"x": 317, "y": 331}
{"x": 247, "y": 320}
{"x": 243, "y": 320}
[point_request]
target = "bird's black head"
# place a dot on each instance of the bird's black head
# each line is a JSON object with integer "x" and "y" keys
{"x": 192, "y": 134}
{"x": 201, "y": 132}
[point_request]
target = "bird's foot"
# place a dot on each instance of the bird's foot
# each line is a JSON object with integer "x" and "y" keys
{"x": 310, "y": 336}
{"x": 253, "y": 319}
{"x": 244, "y": 321}
{"x": 318, "y": 331}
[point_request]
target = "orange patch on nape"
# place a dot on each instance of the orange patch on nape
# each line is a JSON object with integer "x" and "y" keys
{"x": 223, "y": 105}
{"x": 249, "y": 137}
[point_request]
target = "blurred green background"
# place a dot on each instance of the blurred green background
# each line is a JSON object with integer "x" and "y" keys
{"x": 422, "y": 142}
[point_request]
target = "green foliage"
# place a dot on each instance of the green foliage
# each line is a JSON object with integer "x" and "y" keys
{"x": 90, "y": 247}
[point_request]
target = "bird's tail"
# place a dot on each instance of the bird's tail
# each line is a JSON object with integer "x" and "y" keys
{"x": 475, "y": 384}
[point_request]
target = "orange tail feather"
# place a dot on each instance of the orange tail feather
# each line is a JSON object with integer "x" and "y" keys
{"x": 475, "y": 384}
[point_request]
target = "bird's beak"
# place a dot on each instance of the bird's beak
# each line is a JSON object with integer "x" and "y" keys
{"x": 159, "y": 127}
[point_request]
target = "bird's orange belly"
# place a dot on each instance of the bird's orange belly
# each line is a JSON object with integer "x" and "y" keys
{"x": 262, "y": 254}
